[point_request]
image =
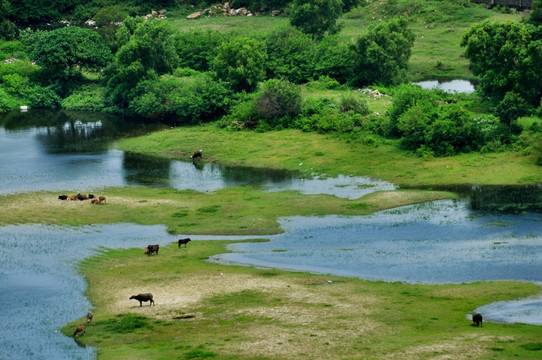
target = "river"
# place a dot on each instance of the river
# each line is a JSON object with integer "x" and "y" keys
{"x": 492, "y": 233}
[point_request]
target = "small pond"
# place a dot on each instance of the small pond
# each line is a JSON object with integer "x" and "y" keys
{"x": 451, "y": 86}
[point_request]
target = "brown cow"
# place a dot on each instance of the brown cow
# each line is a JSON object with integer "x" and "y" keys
{"x": 72, "y": 197}
{"x": 78, "y": 330}
{"x": 95, "y": 201}
{"x": 147, "y": 251}
{"x": 101, "y": 198}
{"x": 153, "y": 248}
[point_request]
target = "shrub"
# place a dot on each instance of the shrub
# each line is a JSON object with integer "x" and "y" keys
{"x": 42, "y": 97}
{"x": 511, "y": 107}
{"x": 333, "y": 59}
{"x": 276, "y": 100}
{"x": 88, "y": 98}
{"x": 404, "y": 97}
{"x": 316, "y": 17}
{"x": 354, "y": 103}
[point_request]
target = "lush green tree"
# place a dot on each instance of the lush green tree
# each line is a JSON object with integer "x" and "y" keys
{"x": 381, "y": 55}
{"x": 69, "y": 47}
{"x": 197, "y": 48}
{"x": 511, "y": 107}
{"x": 241, "y": 62}
{"x": 151, "y": 45}
{"x": 8, "y": 30}
{"x": 536, "y": 14}
{"x": 506, "y": 57}
{"x": 333, "y": 58}
{"x": 122, "y": 82}
{"x": 185, "y": 100}
{"x": 316, "y": 17}
{"x": 42, "y": 10}
{"x": 290, "y": 55}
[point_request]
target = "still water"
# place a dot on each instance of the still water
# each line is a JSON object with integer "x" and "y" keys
{"x": 493, "y": 234}
{"x": 452, "y": 86}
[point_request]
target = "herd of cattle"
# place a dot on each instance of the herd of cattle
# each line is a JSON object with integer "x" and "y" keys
{"x": 93, "y": 199}
{"x": 149, "y": 250}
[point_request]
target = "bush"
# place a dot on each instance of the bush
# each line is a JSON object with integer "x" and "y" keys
{"x": 88, "y": 98}
{"x": 354, "y": 103}
{"x": 333, "y": 59}
{"x": 511, "y": 107}
{"x": 404, "y": 97}
{"x": 278, "y": 99}
{"x": 42, "y": 97}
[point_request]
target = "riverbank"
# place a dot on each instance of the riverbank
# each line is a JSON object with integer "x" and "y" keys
{"x": 209, "y": 310}
{"x": 243, "y": 210}
{"x": 310, "y": 153}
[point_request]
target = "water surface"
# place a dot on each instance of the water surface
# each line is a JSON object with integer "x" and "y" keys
{"x": 452, "y": 86}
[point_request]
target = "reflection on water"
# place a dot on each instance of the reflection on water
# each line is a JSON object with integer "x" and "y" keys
{"x": 42, "y": 290}
{"x": 452, "y": 86}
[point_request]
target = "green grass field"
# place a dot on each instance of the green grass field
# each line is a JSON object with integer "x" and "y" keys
{"x": 208, "y": 310}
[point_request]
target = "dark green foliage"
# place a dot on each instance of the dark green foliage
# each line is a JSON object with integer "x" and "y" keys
{"x": 506, "y": 57}
{"x": 261, "y": 5}
{"x": 405, "y": 97}
{"x": 535, "y": 18}
{"x": 151, "y": 45}
{"x": 42, "y": 10}
{"x": 188, "y": 100}
{"x": 8, "y": 30}
{"x": 511, "y": 108}
{"x": 316, "y": 17}
{"x": 122, "y": 81}
{"x": 241, "y": 63}
{"x": 329, "y": 120}
{"x": 197, "y": 48}
{"x": 278, "y": 102}
{"x": 381, "y": 55}
{"x": 290, "y": 55}
{"x": 334, "y": 59}
{"x": 65, "y": 48}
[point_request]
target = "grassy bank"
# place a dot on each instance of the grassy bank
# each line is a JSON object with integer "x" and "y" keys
{"x": 236, "y": 210}
{"x": 207, "y": 310}
{"x": 312, "y": 153}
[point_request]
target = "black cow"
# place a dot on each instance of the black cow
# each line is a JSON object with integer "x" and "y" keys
{"x": 63, "y": 197}
{"x": 476, "y": 319}
{"x": 197, "y": 155}
{"x": 143, "y": 297}
{"x": 153, "y": 248}
{"x": 184, "y": 241}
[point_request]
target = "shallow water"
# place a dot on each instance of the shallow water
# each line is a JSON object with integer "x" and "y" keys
{"x": 438, "y": 242}
{"x": 42, "y": 290}
{"x": 452, "y": 86}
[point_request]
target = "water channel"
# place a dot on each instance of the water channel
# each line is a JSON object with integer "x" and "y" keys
{"x": 492, "y": 233}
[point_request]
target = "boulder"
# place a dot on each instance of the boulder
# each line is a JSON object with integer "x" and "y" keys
{"x": 193, "y": 16}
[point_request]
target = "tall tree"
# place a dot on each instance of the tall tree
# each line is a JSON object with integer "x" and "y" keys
{"x": 381, "y": 55}
{"x": 316, "y": 17}
{"x": 506, "y": 57}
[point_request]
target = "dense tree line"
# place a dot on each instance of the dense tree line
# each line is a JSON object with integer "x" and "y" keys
{"x": 147, "y": 69}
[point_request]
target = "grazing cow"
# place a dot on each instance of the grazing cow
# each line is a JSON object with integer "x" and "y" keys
{"x": 95, "y": 201}
{"x": 143, "y": 297}
{"x": 63, "y": 197}
{"x": 153, "y": 248}
{"x": 91, "y": 196}
{"x": 82, "y": 197}
{"x": 72, "y": 197}
{"x": 78, "y": 330}
{"x": 476, "y": 319}
{"x": 101, "y": 198}
{"x": 90, "y": 316}
{"x": 147, "y": 251}
{"x": 184, "y": 241}
{"x": 197, "y": 155}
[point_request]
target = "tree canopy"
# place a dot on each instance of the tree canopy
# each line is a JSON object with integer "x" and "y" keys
{"x": 65, "y": 48}
{"x": 316, "y": 17}
{"x": 381, "y": 55}
{"x": 506, "y": 57}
